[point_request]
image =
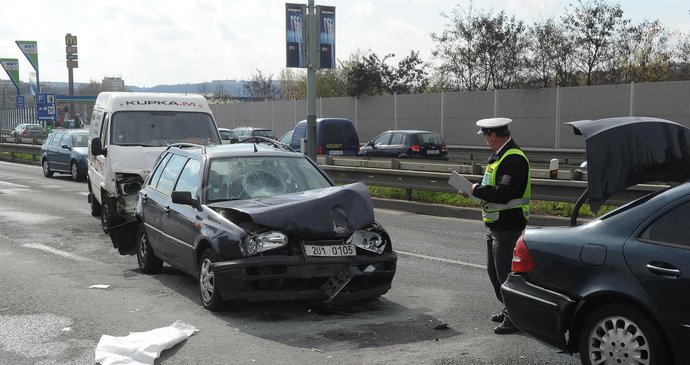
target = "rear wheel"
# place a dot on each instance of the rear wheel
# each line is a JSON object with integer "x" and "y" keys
{"x": 74, "y": 171}
{"x": 95, "y": 205}
{"x": 46, "y": 168}
{"x": 210, "y": 296}
{"x": 148, "y": 262}
{"x": 618, "y": 334}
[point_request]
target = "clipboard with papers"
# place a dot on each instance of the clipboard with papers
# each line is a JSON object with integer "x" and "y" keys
{"x": 462, "y": 184}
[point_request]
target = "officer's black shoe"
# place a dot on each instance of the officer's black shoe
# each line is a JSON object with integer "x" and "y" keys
{"x": 506, "y": 327}
{"x": 498, "y": 317}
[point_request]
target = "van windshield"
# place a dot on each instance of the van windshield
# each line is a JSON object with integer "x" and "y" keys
{"x": 161, "y": 128}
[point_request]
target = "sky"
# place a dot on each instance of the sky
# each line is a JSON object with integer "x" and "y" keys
{"x": 155, "y": 42}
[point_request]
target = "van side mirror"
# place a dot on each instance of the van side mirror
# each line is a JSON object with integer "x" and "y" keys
{"x": 97, "y": 147}
{"x": 185, "y": 197}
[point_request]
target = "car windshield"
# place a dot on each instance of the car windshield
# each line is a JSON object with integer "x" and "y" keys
{"x": 80, "y": 139}
{"x": 227, "y": 134}
{"x": 158, "y": 128}
{"x": 250, "y": 177}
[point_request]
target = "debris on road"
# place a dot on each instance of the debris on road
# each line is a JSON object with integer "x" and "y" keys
{"x": 99, "y": 286}
{"x": 141, "y": 348}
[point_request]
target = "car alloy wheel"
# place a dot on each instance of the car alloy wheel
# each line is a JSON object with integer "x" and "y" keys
{"x": 210, "y": 297}
{"x": 74, "y": 171}
{"x": 148, "y": 262}
{"x": 46, "y": 168}
{"x": 618, "y": 334}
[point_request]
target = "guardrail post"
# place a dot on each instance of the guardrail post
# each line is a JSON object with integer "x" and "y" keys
{"x": 395, "y": 164}
{"x": 408, "y": 194}
{"x": 476, "y": 168}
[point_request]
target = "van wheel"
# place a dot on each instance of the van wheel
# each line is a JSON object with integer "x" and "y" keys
{"x": 95, "y": 205}
{"x": 46, "y": 168}
{"x": 109, "y": 217}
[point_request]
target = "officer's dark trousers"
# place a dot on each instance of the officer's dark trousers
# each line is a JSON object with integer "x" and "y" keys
{"x": 499, "y": 257}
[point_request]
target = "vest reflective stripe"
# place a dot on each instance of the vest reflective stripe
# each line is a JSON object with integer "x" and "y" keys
{"x": 490, "y": 211}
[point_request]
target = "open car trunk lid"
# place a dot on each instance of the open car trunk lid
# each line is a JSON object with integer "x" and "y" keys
{"x": 625, "y": 151}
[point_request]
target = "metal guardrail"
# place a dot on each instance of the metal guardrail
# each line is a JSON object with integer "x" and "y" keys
{"x": 566, "y": 156}
{"x": 425, "y": 175}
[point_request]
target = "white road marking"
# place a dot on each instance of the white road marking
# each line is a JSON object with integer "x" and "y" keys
{"x": 454, "y": 262}
{"x": 55, "y": 251}
{"x": 5, "y": 184}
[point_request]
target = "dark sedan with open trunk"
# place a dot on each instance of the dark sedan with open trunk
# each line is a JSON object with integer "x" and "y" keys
{"x": 615, "y": 289}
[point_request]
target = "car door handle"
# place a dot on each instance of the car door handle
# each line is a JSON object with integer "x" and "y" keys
{"x": 167, "y": 210}
{"x": 654, "y": 268}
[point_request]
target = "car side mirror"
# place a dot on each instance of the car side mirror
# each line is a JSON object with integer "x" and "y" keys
{"x": 97, "y": 147}
{"x": 185, "y": 197}
{"x": 66, "y": 147}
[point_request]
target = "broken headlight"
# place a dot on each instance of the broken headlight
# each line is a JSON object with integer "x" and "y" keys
{"x": 129, "y": 184}
{"x": 260, "y": 242}
{"x": 367, "y": 240}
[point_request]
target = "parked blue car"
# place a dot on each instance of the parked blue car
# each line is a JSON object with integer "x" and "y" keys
{"x": 65, "y": 151}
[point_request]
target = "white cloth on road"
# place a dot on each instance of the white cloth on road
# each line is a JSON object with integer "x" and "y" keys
{"x": 141, "y": 348}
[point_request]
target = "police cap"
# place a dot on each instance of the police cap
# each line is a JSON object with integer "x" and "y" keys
{"x": 489, "y": 125}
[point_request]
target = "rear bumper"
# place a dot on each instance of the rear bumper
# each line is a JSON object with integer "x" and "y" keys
{"x": 539, "y": 312}
{"x": 302, "y": 278}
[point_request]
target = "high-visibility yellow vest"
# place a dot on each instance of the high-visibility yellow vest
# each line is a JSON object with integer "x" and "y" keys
{"x": 490, "y": 211}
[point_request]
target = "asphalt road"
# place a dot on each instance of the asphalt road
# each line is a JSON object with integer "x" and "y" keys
{"x": 52, "y": 251}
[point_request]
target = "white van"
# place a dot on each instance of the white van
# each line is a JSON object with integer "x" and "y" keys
{"x": 128, "y": 132}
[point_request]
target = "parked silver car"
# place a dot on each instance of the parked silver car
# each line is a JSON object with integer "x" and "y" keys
{"x": 26, "y": 132}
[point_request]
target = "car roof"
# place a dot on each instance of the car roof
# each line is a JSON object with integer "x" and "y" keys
{"x": 254, "y": 128}
{"x": 235, "y": 149}
{"x": 409, "y": 131}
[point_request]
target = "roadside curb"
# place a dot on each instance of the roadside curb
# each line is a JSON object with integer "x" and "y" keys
{"x": 440, "y": 210}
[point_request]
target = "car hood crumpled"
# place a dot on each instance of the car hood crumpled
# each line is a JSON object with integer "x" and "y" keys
{"x": 625, "y": 151}
{"x": 334, "y": 212}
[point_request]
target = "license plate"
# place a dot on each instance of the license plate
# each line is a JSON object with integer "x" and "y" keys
{"x": 330, "y": 251}
{"x": 335, "y": 152}
{"x": 432, "y": 152}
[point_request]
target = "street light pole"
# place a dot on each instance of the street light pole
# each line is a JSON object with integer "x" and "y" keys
{"x": 312, "y": 65}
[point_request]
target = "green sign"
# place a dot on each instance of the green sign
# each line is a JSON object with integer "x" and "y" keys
{"x": 30, "y": 50}
{"x": 11, "y": 66}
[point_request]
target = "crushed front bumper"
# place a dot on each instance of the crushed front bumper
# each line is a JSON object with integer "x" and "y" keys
{"x": 305, "y": 278}
{"x": 537, "y": 311}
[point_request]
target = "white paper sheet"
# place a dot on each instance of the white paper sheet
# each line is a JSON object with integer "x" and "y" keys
{"x": 459, "y": 182}
{"x": 141, "y": 348}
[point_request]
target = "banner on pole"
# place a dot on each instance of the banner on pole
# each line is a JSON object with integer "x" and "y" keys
{"x": 326, "y": 36}
{"x": 11, "y": 66}
{"x": 30, "y": 51}
{"x": 296, "y": 37}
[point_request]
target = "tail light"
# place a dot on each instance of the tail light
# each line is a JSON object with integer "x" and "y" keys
{"x": 444, "y": 148}
{"x": 319, "y": 150}
{"x": 415, "y": 148}
{"x": 522, "y": 260}
{"x": 25, "y": 132}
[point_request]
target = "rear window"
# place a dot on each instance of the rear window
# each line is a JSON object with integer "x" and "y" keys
{"x": 263, "y": 132}
{"x": 339, "y": 133}
{"x": 34, "y": 127}
{"x": 429, "y": 138}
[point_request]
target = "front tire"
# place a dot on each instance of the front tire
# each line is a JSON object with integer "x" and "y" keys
{"x": 109, "y": 217}
{"x": 46, "y": 168}
{"x": 148, "y": 262}
{"x": 617, "y": 333}
{"x": 210, "y": 296}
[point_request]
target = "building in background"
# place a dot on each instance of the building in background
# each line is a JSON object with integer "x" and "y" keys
{"x": 113, "y": 84}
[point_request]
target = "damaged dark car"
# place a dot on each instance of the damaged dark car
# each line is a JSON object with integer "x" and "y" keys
{"x": 259, "y": 222}
{"x": 614, "y": 289}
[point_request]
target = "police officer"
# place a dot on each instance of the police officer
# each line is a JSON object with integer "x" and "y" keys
{"x": 505, "y": 192}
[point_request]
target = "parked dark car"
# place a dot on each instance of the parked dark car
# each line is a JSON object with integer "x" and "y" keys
{"x": 66, "y": 151}
{"x": 26, "y": 132}
{"x": 259, "y": 222}
{"x": 616, "y": 288}
{"x": 247, "y": 132}
{"x": 334, "y": 137}
{"x": 406, "y": 144}
{"x": 227, "y": 136}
